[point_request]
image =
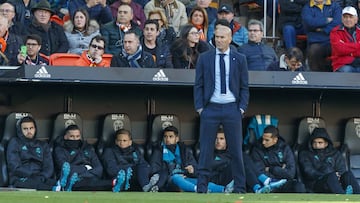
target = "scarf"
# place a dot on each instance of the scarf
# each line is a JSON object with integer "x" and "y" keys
{"x": 132, "y": 59}
{"x": 201, "y": 31}
{"x": 123, "y": 27}
{"x": 172, "y": 158}
{"x": 168, "y": 6}
{"x": 93, "y": 62}
{"x": 3, "y": 42}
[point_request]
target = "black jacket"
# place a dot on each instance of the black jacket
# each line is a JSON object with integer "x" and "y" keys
{"x": 314, "y": 164}
{"x": 146, "y": 61}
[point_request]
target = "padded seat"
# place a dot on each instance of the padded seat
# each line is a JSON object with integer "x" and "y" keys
{"x": 63, "y": 59}
{"x": 61, "y": 122}
{"x": 112, "y": 123}
{"x": 352, "y": 146}
{"x": 158, "y": 124}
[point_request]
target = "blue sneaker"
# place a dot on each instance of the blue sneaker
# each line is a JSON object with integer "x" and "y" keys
{"x": 152, "y": 182}
{"x": 229, "y": 188}
{"x": 265, "y": 189}
{"x": 57, "y": 187}
{"x": 65, "y": 171}
{"x": 128, "y": 178}
{"x": 349, "y": 190}
{"x": 74, "y": 178}
{"x": 275, "y": 184}
{"x": 119, "y": 181}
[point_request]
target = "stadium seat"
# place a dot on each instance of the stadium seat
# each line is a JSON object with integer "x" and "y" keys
{"x": 9, "y": 132}
{"x": 158, "y": 124}
{"x": 107, "y": 57}
{"x": 351, "y": 144}
{"x": 63, "y": 59}
{"x": 255, "y": 129}
{"x": 62, "y": 121}
{"x": 112, "y": 123}
{"x": 305, "y": 128}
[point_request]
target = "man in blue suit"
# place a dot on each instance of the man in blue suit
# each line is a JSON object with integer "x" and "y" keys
{"x": 221, "y": 96}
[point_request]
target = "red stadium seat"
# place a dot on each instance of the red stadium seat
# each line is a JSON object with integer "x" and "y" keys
{"x": 63, "y": 59}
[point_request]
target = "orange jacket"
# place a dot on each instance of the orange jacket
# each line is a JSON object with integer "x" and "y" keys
{"x": 84, "y": 61}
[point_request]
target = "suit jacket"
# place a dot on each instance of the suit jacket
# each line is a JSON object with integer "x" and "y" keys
{"x": 205, "y": 79}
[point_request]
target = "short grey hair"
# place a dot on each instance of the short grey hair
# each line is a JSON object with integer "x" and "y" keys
{"x": 256, "y": 22}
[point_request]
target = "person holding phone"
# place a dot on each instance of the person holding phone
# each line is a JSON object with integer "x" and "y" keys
{"x": 29, "y": 53}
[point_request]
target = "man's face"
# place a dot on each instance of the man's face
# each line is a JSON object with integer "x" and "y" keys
{"x": 293, "y": 63}
{"x": 73, "y": 135}
{"x": 203, "y": 3}
{"x": 150, "y": 32}
{"x": 131, "y": 43}
{"x": 170, "y": 138}
{"x": 3, "y": 26}
{"x": 268, "y": 140}
{"x": 123, "y": 141}
{"x": 222, "y": 37}
{"x": 8, "y": 11}
{"x": 124, "y": 14}
{"x": 319, "y": 143}
{"x": 28, "y": 129}
{"x": 349, "y": 21}
{"x": 220, "y": 142}
{"x": 96, "y": 49}
{"x": 32, "y": 47}
{"x": 255, "y": 33}
{"x": 42, "y": 16}
{"x": 229, "y": 16}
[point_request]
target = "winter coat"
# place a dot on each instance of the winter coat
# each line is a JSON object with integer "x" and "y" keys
{"x": 315, "y": 164}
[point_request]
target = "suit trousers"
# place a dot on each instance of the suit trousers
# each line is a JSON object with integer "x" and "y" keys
{"x": 229, "y": 115}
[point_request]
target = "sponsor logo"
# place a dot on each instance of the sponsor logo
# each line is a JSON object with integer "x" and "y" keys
{"x": 299, "y": 80}
{"x": 42, "y": 73}
{"x": 160, "y": 76}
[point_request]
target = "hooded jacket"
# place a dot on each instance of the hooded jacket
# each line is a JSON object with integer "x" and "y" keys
{"x": 78, "y": 157}
{"x": 315, "y": 164}
{"x": 28, "y": 157}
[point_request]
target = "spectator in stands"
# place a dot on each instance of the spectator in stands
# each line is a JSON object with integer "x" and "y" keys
{"x": 174, "y": 10}
{"x": 319, "y": 18}
{"x": 93, "y": 56}
{"x": 9, "y": 44}
{"x": 239, "y": 32}
{"x": 52, "y": 34}
{"x": 167, "y": 33}
{"x": 30, "y": 163}
{"x": 345, "y": 43}
{"x": 290, "y": 22}
{"x": 125, "y": 161}
{"x": 138, "y": 11}
{"x": 97, "y": 9}
{"x": 160, "y": 52}
{"x": 32, "y": 55}
{"x": 60, "y": 7}
{"x": 258, "y": 55}
{"x": 274, "y": 158}
{"x": 174, "y": 161}
{"x": 324, "y": 168}
{"x": 205, "y": 4}
{"x": 186, "y": 49}
{"x": 198, "y": 18}
{"x": 8, "y": 10}
{"x": 114, "y": 31}
{"x": 23, "y": 10}
{"x": 292, "y": 60}
{"x": 132, "y": 54}
{"x": 222, "y": 174}
{"x": 77, "y": 164}
{"x": 80, "y": 30}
